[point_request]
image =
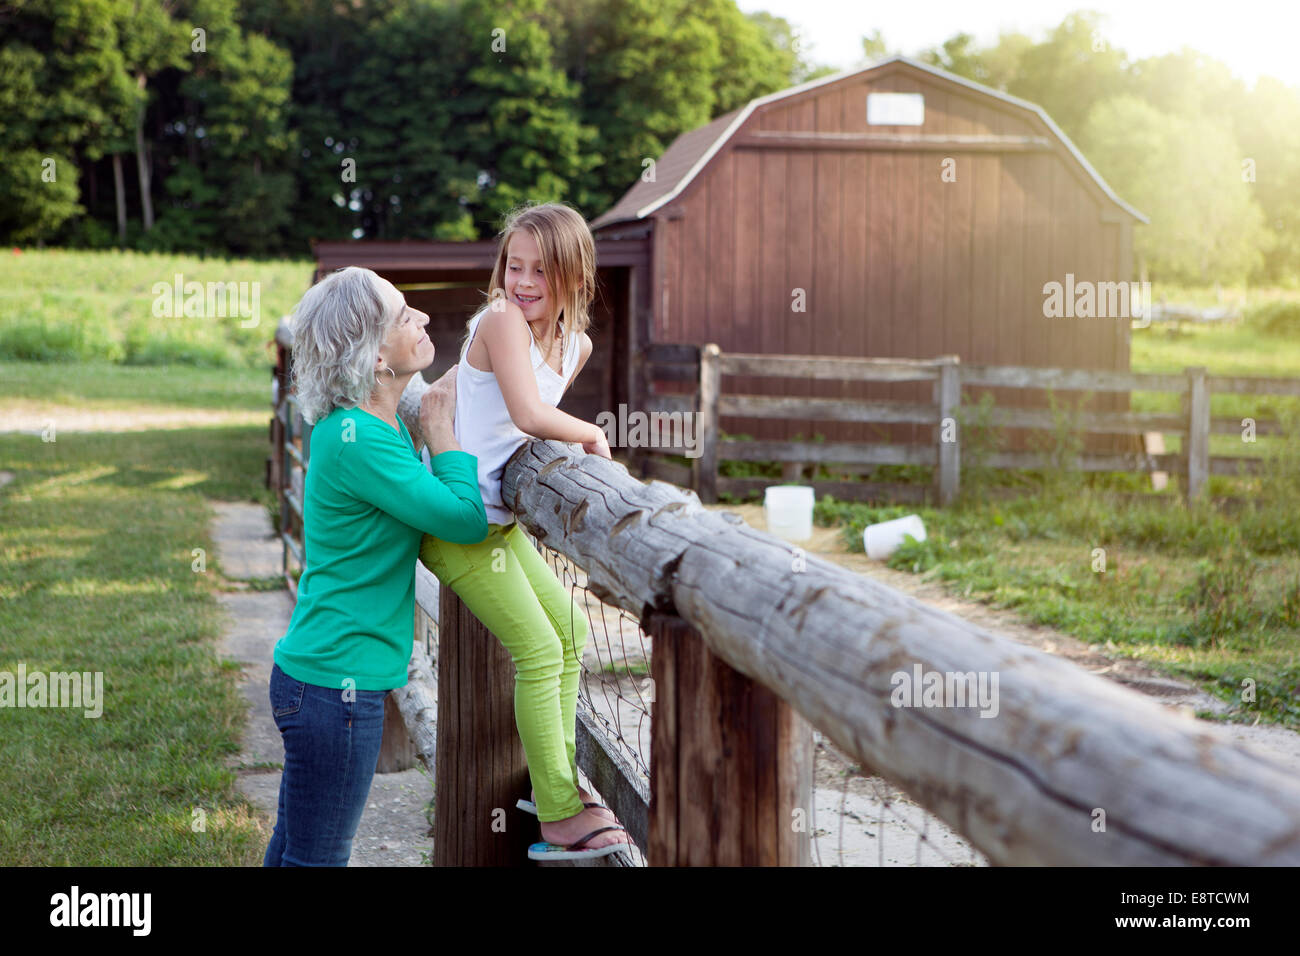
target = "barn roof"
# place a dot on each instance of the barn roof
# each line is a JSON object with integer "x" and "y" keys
{"x": 691, "y": 151}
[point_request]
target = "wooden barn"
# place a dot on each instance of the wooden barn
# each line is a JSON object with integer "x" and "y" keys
{"x": 897, "y": 211}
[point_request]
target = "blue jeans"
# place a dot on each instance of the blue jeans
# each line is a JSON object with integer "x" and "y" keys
{"x": 331, "y": 738}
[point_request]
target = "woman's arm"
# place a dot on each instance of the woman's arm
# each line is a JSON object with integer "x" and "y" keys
{"x": 382, "y": 470}
{"x": 506, "y": 335}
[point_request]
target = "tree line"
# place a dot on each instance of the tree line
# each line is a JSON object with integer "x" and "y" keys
{"x": 1212, "y": 162}
{"x": 252, "y": 126}
{"x": 249, "y": 127}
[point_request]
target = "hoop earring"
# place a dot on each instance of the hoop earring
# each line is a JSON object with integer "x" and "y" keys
{"x": 388, "y": 369}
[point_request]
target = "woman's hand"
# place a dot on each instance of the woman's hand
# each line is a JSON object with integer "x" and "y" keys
{"x": 438, "y": 414}
{"x": 598, "y": 446}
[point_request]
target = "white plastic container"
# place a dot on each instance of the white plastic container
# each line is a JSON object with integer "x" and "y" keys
{"x": 882, "y": 540}
{"x": 789, "y": 511}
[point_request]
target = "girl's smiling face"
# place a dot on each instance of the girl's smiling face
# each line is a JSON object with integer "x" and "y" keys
{"x": 525, "y": 281}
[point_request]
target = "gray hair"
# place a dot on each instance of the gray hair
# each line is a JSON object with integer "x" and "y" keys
{"x": 338, "y": 327}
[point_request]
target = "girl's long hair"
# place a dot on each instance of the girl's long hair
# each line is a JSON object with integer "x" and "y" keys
{"x": 568, "y": 261}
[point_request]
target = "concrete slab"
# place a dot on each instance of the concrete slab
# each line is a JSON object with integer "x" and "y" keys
{"x": 257, "y": 620}
{"x": 246, "y": 544}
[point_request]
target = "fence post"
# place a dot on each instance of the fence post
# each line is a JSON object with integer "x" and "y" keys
{"x": 706, "y": 466}
{"x": 275, "y": 463}
{"x": 481, "y": 771}
{"x": 1198, "y": 431}
{"x": 396, "y": 752}
{"x": 947, "y": 395}
{"x": 731, "y": 762}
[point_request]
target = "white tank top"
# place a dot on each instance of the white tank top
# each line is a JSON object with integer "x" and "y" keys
{"x": 483, "y": 425}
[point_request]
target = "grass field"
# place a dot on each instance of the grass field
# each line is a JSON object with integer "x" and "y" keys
{"x": 1235, "y": 349}
{"x": 1202, "y": 595}
{"x": 98, "y": 533}
{"x": 63, "y": 306}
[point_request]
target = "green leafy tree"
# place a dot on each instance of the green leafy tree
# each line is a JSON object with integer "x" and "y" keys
{"x": 63, "y": 95}
{"x": 1185, "y": 174}
{"x": 997, "y": 66}
{"x": 789, "y": 49}
{"x": 219, "y": 119}
{"x": 332, "y": 46}
{"x": 874, "y": 47}
{"x": 1071, "y": 71}
{"x": 649, "y": 70}
{"x": 751, "y": 65}
{"x": 1189, "y": 84}
{"x": 645, "y": 74}
{"x": 152, "y": 42}
{"x": 525, "y": 135}
{"x": 1268, "y": 132}
{"x": 454, "y": 114}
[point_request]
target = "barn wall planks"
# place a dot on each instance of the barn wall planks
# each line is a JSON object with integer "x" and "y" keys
{"x": 775, "y": 288}
{"x": 894, "y": 259}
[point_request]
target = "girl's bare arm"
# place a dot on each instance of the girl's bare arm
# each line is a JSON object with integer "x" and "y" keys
{"x": 507, "y": 337}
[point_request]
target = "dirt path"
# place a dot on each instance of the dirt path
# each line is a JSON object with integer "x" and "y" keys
{"x": 827, "y": 543}
{"x": 33, "y": 417}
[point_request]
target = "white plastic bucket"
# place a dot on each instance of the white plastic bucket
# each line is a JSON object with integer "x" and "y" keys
{"x": 789, "y": 511}
{"x": 882, "y": 540}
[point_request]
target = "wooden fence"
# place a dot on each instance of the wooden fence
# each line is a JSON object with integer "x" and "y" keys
{"x": 753, "y": 641}
{"x": 1063, "y": 767}
{"x": 950, "y": 377}
{"x": 286, "y": 467}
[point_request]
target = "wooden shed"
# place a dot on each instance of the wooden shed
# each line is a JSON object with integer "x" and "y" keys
{"x": 894, "y": 211}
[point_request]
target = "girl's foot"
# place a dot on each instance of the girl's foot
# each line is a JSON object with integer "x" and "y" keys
{"x": 574, "y": 828}
{"x": 587, "y": 797}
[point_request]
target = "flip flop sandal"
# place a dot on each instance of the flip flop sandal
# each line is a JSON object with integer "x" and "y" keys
{"x": 575, "y": 851}
{"x": 528, "y": 806}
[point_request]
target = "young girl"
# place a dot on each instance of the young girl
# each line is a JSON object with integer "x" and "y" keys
{"x": 522, "y": 350}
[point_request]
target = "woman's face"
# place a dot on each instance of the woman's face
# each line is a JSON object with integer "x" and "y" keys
{"x": 525, "y": 283}
{"x": 408, "y": 347}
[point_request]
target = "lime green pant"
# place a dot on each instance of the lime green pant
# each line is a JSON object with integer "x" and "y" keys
{"x": 511, "y": 590}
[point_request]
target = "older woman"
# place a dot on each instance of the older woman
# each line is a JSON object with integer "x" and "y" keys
{"x": 368, "y": 500}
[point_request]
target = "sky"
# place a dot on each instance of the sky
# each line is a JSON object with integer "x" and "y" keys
{"x": 1256, "y": 37}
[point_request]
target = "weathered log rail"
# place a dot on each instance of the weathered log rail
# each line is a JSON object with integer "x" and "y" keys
{"x": 1071, "y": 769}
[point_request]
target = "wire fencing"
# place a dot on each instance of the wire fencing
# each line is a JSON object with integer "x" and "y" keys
{"x": 615, "y": 688}
{"x": 863, "y": 820}
{"x": 857, "y": 819}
